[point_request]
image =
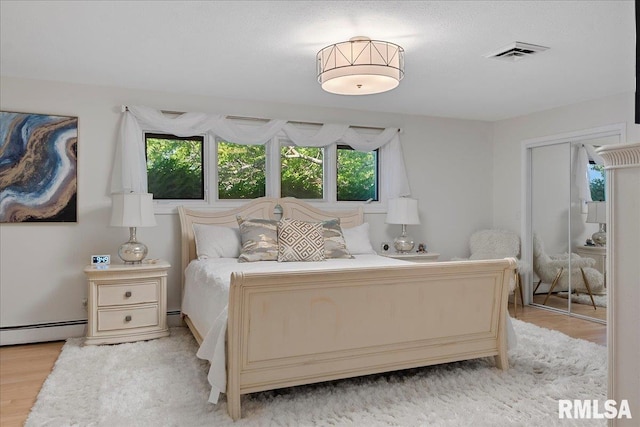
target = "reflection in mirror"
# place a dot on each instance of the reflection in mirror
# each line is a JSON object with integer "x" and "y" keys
{"x": 550, "y": 201}
{"x": 588, "y": 218}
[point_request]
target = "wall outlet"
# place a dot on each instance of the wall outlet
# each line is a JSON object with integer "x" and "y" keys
{"x": 85, "y": 302}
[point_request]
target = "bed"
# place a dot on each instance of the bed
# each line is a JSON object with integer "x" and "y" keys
{"x": 270, "y": 325}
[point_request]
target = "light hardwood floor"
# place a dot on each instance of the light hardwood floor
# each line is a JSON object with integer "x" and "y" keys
{"x": 23, "y": 368}
{"x": 572, "y": 326}
{"x": 562, "y": 304}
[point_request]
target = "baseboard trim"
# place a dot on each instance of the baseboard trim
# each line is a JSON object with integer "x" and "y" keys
{"x": 174, "y": 318}
{"x": 58, "y": 331}
{"x": 42, "y": 333}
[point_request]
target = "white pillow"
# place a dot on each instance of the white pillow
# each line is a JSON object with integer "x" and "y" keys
{"x": 357, "y": 239}
{"x": 214, "y": 241}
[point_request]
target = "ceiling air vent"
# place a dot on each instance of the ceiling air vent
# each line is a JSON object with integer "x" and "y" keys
{"x": 516, "y": 51}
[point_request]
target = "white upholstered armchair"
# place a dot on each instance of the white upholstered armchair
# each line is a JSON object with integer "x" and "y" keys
{"x": 554, "y": 270}
{"x": 497, "y": 244}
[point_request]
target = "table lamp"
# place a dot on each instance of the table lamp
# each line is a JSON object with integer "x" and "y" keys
{"x": 403, "y": 211}
{"x": 132, "y": 210}
{"x": 597, "y": 213}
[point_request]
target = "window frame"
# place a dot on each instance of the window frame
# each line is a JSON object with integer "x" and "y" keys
{"x": 283, "y": 143}
{"x": 200, "y": 138}
{"x": 272, "y": 169}
{"x": 377, "y": 175}
{"x": 278, "y": 142}
{"x": 604, "y": 178}
{"x": 214, "y": 173}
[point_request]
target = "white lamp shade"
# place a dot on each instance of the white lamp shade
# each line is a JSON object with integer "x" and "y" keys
{"x": 132, "y": 210}
{"x": 597, "y": 212}
{"x": 360, "y": 66}
{"x": 403, "y": 210}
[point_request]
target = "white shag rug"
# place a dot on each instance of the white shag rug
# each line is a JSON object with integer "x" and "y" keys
{"x": 600, "y": 300}
{"x": 162, "y": 383}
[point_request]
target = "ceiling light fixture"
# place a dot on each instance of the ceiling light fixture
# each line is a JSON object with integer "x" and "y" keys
{"x": 360, "y": 66}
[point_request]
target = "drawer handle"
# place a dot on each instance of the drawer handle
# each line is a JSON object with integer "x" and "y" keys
{"x": 127, "y": 319}
{"x": 127, "y": 294}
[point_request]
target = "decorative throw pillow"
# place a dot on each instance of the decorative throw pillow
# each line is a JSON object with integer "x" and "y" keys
{"x": 357, "y": 239}
{"x": 334, "y": 244}
{"x": 259, "y": 238}
{"x": 300, "y": 241}
{"x": 214, "y": 241}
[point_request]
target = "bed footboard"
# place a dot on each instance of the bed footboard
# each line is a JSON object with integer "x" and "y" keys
{"x": 294, "y": 328}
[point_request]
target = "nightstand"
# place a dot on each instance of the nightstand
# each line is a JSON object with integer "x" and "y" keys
{"x": 414, "y": 256}
{"x": 599, "y": 254}
{"x": 127, "y": 302}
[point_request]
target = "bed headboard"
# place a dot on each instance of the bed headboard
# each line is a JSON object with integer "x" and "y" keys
{"x": 264, "y": 207}
{"x": 297, "y": 209}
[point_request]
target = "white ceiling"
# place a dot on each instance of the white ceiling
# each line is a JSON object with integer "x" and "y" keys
{"x": 265, "y": 50}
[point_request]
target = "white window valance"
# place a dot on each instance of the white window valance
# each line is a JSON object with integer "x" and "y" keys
{"x": 130, "y": 167}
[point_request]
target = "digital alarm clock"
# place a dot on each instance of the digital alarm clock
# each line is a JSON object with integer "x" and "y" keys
{"x": 100, "y": 260}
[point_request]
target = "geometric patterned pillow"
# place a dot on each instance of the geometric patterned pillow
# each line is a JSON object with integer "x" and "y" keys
{"x": 334, "y": 244}
{"x": 259, "y": 239}
{"x": 300, "y": 241}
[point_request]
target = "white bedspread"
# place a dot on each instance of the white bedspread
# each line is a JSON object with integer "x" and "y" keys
{"x": 206, "y": 295}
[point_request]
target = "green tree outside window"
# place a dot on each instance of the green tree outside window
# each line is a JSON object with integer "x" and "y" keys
{"x": 174, "y": 166}
{"x": 596, "y": 185}
{"x": 357, "y": 175}
{"x": 301, "y": 172}
{"x": 241, "y": 171}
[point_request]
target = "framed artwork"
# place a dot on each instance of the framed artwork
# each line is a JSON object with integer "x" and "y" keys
{"x": 38, "y": 168}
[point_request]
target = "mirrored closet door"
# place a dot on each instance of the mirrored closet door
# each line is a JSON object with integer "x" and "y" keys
{"x": 564, "y": 232}
{"x": 550, "y": 190}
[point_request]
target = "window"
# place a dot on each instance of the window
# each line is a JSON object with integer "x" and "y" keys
{"x": 357, "y": 174}
{"x": 282, "y": 169}
{"x": 180, "y": 168}
{"x": 596, "y": 182}
{"x": 241, "y": 171}
{"x": 301, "y": 172}
{"x": 175, "y": 166}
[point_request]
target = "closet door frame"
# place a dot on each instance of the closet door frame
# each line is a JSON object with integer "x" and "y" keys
{"x": 617, "y": 129}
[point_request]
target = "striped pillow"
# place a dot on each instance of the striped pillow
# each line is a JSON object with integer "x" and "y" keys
{"x": 300, "y": 241}
{"x": 334, "y": 244}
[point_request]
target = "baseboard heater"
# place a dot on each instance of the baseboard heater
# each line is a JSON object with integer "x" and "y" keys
{"x": 57, "y": 331}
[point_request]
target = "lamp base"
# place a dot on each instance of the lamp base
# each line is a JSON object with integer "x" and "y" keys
{"x": 403, "y": 246}
{"x": 403, "y": 243}
{"x": 132, "y": 252}
{"x": 600, "y": 236}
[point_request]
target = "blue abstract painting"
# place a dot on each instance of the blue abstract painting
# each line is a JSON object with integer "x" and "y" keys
{"x": 38, "y": 167}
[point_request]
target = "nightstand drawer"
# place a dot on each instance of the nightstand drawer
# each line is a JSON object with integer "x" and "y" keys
{"x": 109, "y": 320}
{"x": 134, "y": 293}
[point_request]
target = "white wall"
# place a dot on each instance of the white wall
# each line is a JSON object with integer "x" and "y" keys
{"x": 41, "y": 280}
{"x": 509, "y": 134}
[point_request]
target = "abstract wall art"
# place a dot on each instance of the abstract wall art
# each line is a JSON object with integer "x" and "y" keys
{"x": 38, "y": 168}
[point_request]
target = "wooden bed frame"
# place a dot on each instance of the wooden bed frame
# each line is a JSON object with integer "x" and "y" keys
{"x": 292, "y": 328}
